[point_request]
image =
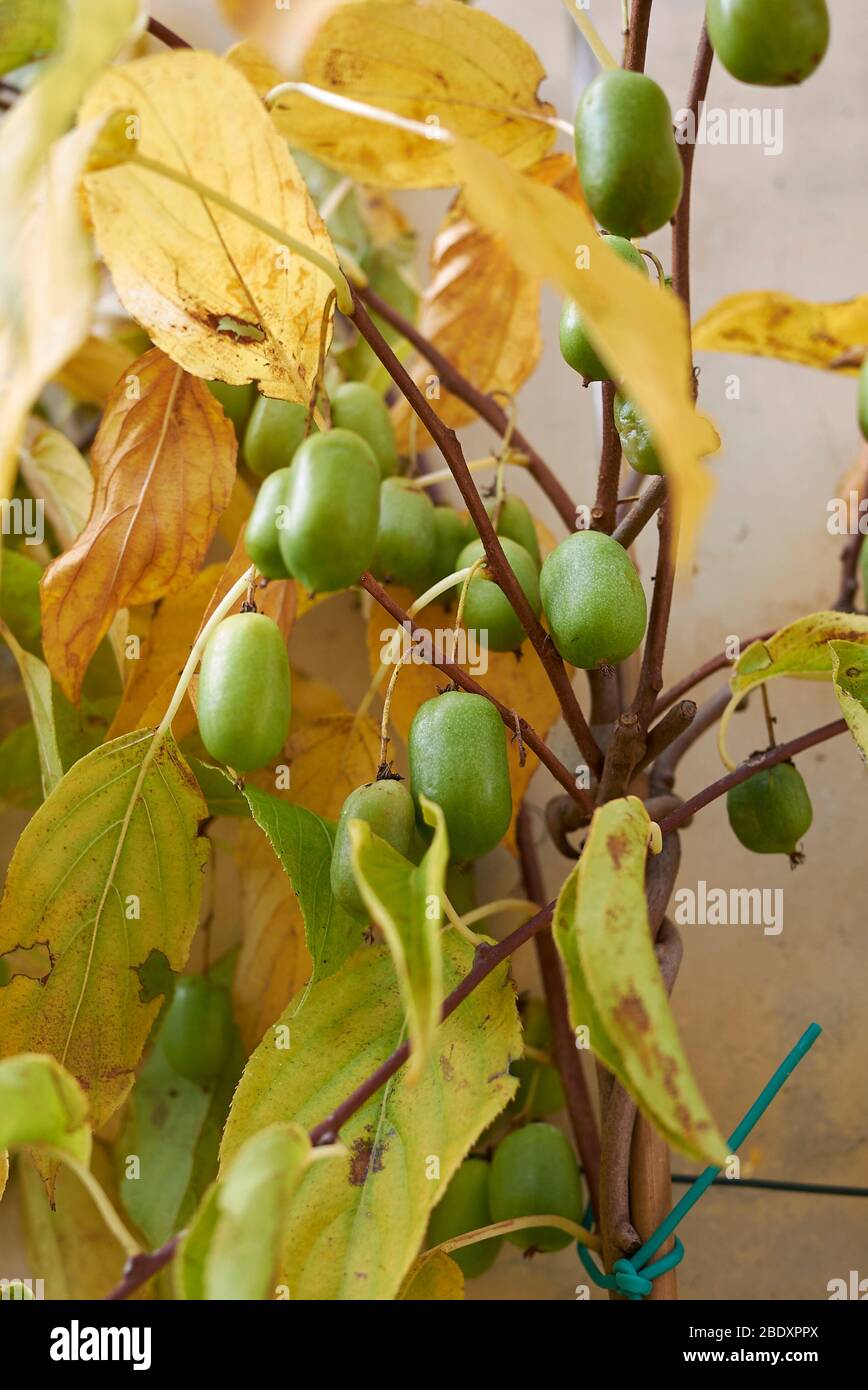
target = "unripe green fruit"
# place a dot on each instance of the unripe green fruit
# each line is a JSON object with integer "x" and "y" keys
{"x": 771, "y": 811}
{"x": 262, "y": 536}
{"x": 274, "y": 431}
{"x": 515, "y": 522}
{"x": 575, "y": 344}
{"x": 244, "y": 692}
{"x": 863, "y": 401}
{"x": 486, "y": 608}
{"x": 534, "y": 1173}
{"x": 627, "y": 158}
{"x": 407, "y": 536}
{"x": 334, "y": 507}
{"x": 769, "y": 43}
{"x": 540, "y": 1092}
{"x": 388, "y": 809}
{"x": 593, "y": 600}
{"x": 237, "y": 402}
{"x": 457, "y": 750}
{"x": 356, "y": 406}
{"x": 635, "y": 438}
{"x": 464, "y": 1207}
{"x": 198, "y": 1029}
{"x": 450, "y": 533}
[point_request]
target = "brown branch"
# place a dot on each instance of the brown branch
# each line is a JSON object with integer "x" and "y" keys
{"x": 666, "y": 764}
{"x": 770, "y": 758}
{"x": 447, "y": 442}
{"x": 651, "y": 675}
{"x": 849, "y": 574}
{"x": 140, "y": 1268}
{"x": 681, "y": 223}
{"x": 604, "y": 513}
{"x": 651, "y": 499}
{"x": 563, "y": 1045}
{"x": 672, "y": 726}
{"x": 708, "y": 668}
{"x": 637, "y": 36}
{"x": 460, "y": 677}
{"x": 166, "y": 35}
{"x": 486, "y": 407}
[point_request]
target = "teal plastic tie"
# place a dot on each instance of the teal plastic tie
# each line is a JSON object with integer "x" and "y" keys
{"x": 634, "y": 1277}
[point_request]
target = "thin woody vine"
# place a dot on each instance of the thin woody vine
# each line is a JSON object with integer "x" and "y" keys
{"x": 335, "y": 504}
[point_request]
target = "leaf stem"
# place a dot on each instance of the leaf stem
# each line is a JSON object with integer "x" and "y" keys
{"x": 100, "y": 1199}
{"x": 517, "y": 1223}
{"x": 213, "y": 195}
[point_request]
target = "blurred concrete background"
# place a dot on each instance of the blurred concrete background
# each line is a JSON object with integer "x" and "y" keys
{"x": 795, "y": 222}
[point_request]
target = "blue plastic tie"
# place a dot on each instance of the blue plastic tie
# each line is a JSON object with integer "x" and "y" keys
{"x": 634, "y": 1277}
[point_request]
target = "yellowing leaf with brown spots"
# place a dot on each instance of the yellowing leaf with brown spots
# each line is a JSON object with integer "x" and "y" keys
{"x": 614, "y": 984}
{"x": 106, "y": 874}
{"x": 438, "y": 63}
{"x": 273, "y": 962}
{"x": 368, "y": 1209}
{"x": 164, "y": 464}
{"x": 481, "y": 308}
{"x": 220, "y": 296}
{"x": 640, "y": 330}
{"x": 768, "y": 323}
{"x": 520, "y": 683}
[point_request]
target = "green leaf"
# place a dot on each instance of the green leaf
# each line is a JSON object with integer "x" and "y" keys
{"x": 28, "y": 30}
{"x": 107, "y": 873}
{"x": 850, "y": 678}
{"x": 433, "y": 1278}
{"x": 801, "y": 650}
{"x": 173, "y": 1126}
{"x": 234, "y": 1242}
{"x": 614, "y": 984}
{"x": 19, "y": 599}
{"x": 37, "y": 686}
{"x": 220, "y": 792}
{"x": 303, "y": 843}
{"x": 406, "y": 903}
{"x": 20, "y": 773}
{"x": 40, "y": 1103}
{"x": 369, "y": 1210}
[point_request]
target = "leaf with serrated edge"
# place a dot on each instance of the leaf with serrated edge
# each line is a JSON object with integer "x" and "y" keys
{"x": 370, "y": 1210}
{"x": 223, "y": 298}
{"x": 601, "y": 929}
{"x": 118, "y": 835}
{"x": 437, "y": 63}
{"x": 850, "y": 678}
{"x": 41, "y": 1103}
{"x": 164, "y": 461}
{"x": 399, "y": 896}
{"x": 303, "y": 842}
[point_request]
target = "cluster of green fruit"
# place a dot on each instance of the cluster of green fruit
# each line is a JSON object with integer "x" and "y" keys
{"x": 533, "y": 1171}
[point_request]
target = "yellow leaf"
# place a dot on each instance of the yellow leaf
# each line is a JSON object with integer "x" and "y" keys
{"x": 56, "y": 473}
{"x": 283, "y": 31}
{"x": 273, "y": 962}
{"x": 768, "y": 323}
{"x": 164, "y": 464}
{"x": 48, "y": 273}
{"x": 614, "y": 984}
{"x": 435, "y": 1278}
{"x": 328, "y": 758}
{"x": 802, "y": 650}
{"x": 520, "y": 683}
{"x": 221, "y": 297}
{"x": 850, "y": 677}
{"x": 90, "y": 373}
{"x": 438, "y": 63}
{"x": 165, "y": 645}
{"x": 640, "y": 330}
{"x": 481, "y": 308}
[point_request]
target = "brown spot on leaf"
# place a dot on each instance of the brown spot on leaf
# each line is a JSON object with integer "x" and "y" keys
{"x": 617, "y": 847}
{"x": 366, "y": 1157}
